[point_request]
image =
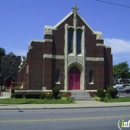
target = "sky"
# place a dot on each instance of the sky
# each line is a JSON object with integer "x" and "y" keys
{"x": 23, "y": 20}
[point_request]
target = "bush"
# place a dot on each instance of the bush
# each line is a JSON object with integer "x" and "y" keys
{"x": 42, "y": 96}
{"x": 49, "y": 96}
{"x": 97, "y": 98}
{"x": 32, "y": 95}
{"x": 55, "y": 92}
{"x": 71, "y": 100}
{"x": 100, "y": 92}
{"x": 112, "y": 92}
{"x": 18, "y": 95}
{"x": 106, "y": 99}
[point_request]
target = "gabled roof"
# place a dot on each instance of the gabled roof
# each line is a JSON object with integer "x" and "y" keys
{"x": 67, "y": 16}
{"x": 50, "y": 28}
{"x": 9, "y": 77}
{"x": 11, "y": 54}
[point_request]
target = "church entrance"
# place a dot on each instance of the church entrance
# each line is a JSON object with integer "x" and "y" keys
{"x": 74, "y": 79}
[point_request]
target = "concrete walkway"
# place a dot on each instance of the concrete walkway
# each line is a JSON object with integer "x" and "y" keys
{"x": 79, "y": 104}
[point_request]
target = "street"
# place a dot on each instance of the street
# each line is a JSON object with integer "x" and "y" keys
{"x": 63, "y": 119}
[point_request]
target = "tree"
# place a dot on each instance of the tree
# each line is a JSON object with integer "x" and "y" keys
{"x": 2, "y": 53}
{"x": 121, "y": 70}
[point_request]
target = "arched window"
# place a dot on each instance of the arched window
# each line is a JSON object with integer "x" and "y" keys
{"x": 91, "y": 76}
{"x": 79, "y": 39}
{"x": 70, "y": 40}
{"x": 57, "y": 76}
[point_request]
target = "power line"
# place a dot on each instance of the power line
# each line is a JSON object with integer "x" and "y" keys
{"x": 113, "y": 3}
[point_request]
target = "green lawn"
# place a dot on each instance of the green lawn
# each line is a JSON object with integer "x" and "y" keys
{"x": 33, "y": 101}
{"x": 119, "y": 99}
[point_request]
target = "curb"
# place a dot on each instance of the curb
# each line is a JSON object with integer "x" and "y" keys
{"x": 41, "y": 108}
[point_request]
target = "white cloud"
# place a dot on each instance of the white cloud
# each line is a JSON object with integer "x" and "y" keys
{"x": 118, "y": 45}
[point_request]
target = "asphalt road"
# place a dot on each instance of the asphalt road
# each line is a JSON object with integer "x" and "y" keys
{"x": 63, "y": 119}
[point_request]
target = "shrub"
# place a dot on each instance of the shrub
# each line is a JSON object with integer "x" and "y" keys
{"x": 18, "y": 95}
{"x": 97, "y": 98}
{"x": 112, "y": 92}
{"x": 71, "y": 100}
{"x": 100, "y": 92}
{"x": 32, "y": 95}
{"x": 107, "y": 95}
{"x": 106, "y": 99}
{"x": 49, "y": 96}
{"x": 42, "y": 96}
{"x": 55, "y": 92}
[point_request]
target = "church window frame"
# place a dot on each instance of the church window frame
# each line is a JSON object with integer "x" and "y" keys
{"x": 91, "y": 77}
{"x": 70, "y": 40}
{"x": 57, "y": 76}
{"x": 79, "y": 40}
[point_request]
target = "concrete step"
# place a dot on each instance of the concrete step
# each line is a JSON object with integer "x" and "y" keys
{"x": 81, "y": 95}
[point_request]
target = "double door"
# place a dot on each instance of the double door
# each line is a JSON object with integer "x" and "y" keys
{"x": 74, "y": 81}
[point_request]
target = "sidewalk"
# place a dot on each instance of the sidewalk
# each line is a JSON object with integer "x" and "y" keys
{"x": 79, "y": 104}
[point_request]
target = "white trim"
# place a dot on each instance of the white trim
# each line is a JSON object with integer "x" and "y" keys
{"x": 98, "y": 35}
{"x": 48, "y": 40}
{"x": 48, "y": 30}
{"x": 21, "y": 67}
{"x": 53, "y": 56}
{"x": 100, "y": 59}
{"x": 91, "y": 90}
{"x": 94, "y": 58}
{"x": 67, "y": 16}
{"x": 62, "y": 57}
{"x": 30, "y": 47}
{"x": 106, "y": 46}
{"x": 36, "y": 41}
{"x": 99, "y": 44}
{"x": 85, "y": 22}
{"x": 58, "y": 82}
{"x": 91, "y": 83}
{"x": 27, "y": 69}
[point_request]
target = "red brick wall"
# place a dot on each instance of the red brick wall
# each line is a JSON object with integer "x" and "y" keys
{"x": 35, "y": 60}
{"x": 58, "y": 64}
{"x": 108, "y": 68}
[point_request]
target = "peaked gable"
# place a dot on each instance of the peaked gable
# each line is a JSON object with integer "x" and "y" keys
{"x": 48, "y": 29}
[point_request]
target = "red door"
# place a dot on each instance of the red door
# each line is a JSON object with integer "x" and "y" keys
{"x": 74, "y": 79}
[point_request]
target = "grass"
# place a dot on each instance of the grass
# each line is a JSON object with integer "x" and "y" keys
{"x": 119, "y": 99}
{"x": 33, "y": 101}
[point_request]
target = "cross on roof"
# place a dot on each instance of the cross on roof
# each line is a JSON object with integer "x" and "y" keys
{"x": 75, "y": 8}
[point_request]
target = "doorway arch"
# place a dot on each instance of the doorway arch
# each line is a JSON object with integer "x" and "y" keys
{"x": 74, "y": 79}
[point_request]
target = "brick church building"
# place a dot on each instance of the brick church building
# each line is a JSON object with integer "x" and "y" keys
{"x": 72, "y": 56}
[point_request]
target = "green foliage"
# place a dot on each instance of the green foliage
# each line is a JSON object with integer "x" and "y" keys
{"x": 97, "y": 98}
{"x": 49, "y": 96}
{"x": 32, "y": 101}
{"x": 2, "y": 53}
{"x": 71, "y": 100}
{"x": 55, "y": 92}
{"x": 32, "y": 95}
{"x": 42, "y": 96}
{"x": 106, "y": 99}
{"x": 121, "y": 70}
{"x": 112, "y": 92}
{"x": 100, "y": 92}
{"x": 18, "y": 95}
